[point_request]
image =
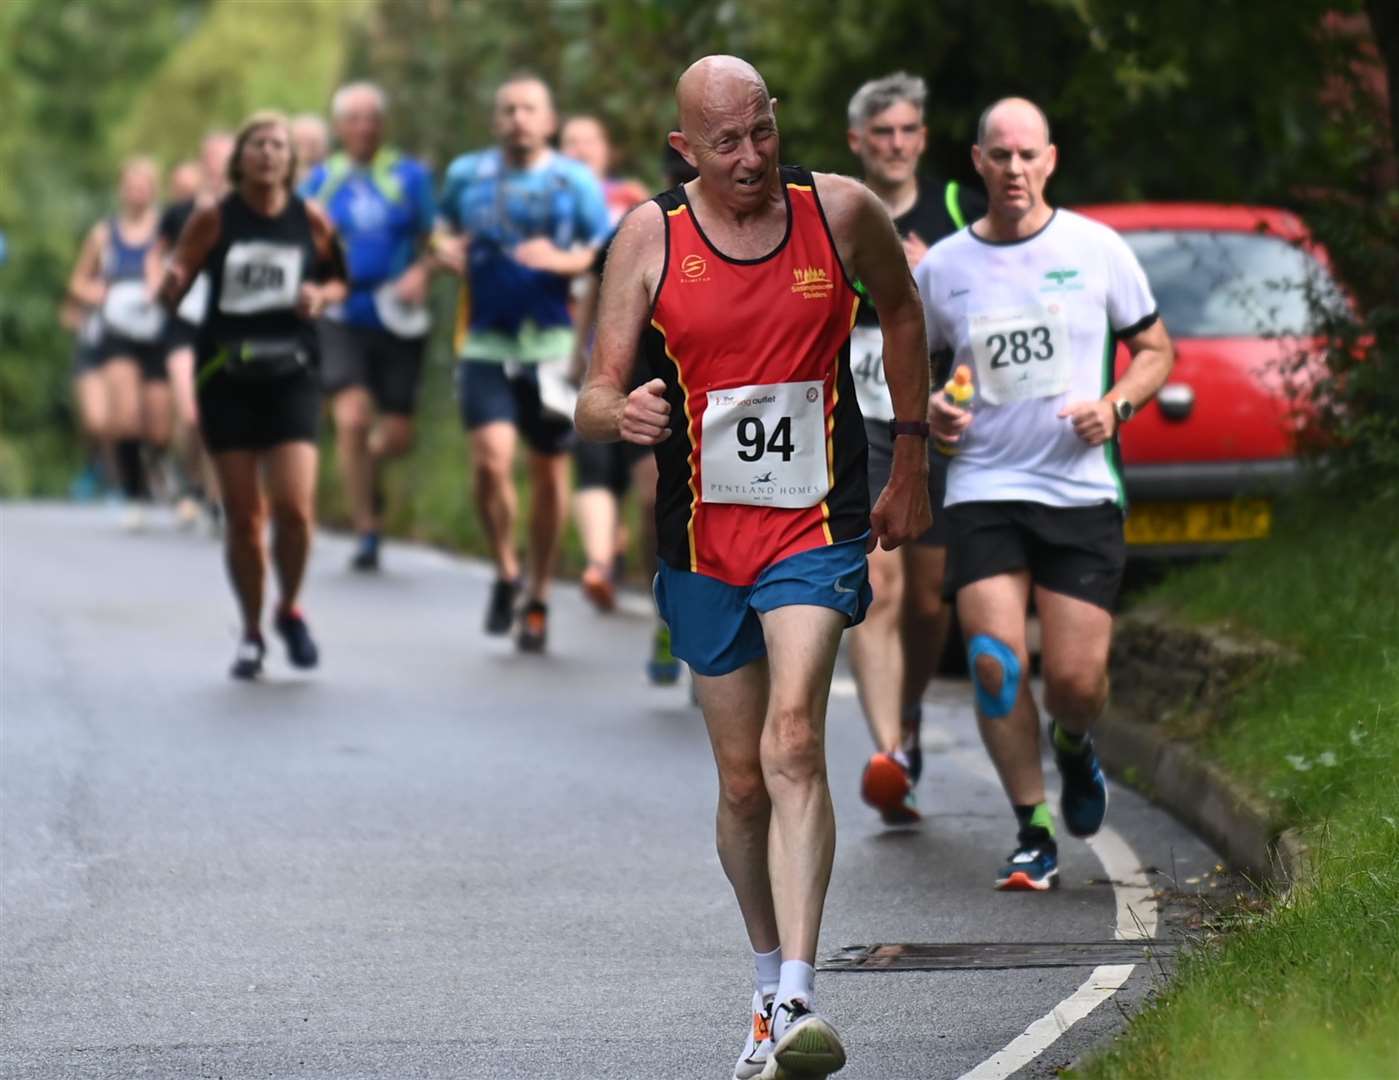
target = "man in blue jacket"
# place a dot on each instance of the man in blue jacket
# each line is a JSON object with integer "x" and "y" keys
{"x": 521, "y": 221}
{"x": 372, "y": 346}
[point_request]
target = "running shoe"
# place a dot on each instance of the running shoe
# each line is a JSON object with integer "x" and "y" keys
{"x": 366, "y": 558}
{"x": 759, "y": 1043}
{"x": 1033, "y": 866}
{"x": 533, "y": 634}
{"x": 500, "y": 615}
{"x": 133, "y": 519}
{"x": 803, "y": 1044}
{"x": 186, "y": 513}
{"x": 598, "y": 588}
{"x": 663, "y": 669}
{"x": 247, "y": 661}
{"x": 887, "y": 786}
{"x": 1083, "y": 802}
{"x": 296, "y": 635}
{"x": 87, "y": 485}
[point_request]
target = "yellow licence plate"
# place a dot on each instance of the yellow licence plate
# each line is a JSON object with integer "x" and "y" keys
{"x": 1199, "y": 522}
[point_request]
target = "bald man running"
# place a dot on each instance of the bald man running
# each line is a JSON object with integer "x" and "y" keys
{"x": 741, "y": 281}
{"x": 1035, "y": 299}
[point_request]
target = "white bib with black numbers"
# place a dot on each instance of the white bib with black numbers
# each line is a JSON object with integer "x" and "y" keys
{"x": 129, "y": 311}
{"x": 196, "y": 302}
{"x": 1021, "y": 353}
{"x": 867, "y": 369}
{"x": 765, "y": 446}
{"x": 400, "y": 319}
{"x": 259, "y": 275}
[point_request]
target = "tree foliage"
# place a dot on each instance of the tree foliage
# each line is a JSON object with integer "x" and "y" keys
{"x": 1217, "y": 100}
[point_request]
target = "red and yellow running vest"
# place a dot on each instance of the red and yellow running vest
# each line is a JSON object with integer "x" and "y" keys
{"x": 767, "y": 454}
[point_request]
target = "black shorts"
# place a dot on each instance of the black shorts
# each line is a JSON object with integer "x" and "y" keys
{"x": 489, "y": 392}
{"x": 87, "y": 358}
{"x": 179, "y": 334}
{"x": 881, "y": 462}
{"x": 258, "y": 416}
{"x": 388, "y": 366}
{"x": 1075, "y": 550}
{"x": 606, "y": 465}
{"x": 149, "y": 355}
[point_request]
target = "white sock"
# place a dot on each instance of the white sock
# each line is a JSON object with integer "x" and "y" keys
{"x": 798, "y": 980}
{"x": 767, "y": 971}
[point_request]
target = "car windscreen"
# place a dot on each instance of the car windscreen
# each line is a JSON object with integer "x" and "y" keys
{"x": 1220, "y": 284}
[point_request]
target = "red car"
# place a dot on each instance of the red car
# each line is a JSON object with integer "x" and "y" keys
{"x": 1236, "y": 286}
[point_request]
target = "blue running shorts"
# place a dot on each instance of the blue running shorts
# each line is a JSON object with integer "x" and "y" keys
{"x": 714, "y": 626}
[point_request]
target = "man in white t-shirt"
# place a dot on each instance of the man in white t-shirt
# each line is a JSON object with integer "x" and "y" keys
{"x": 1034, "y": 301}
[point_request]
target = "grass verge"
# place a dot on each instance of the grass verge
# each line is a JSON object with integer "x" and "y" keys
{"x": 1310, "y": 987}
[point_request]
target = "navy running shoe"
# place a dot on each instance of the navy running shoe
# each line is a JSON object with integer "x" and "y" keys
{"x": 296, "y": 635}
{"x": 533, "y": 635}
{"x": 366, "y": 558}
{"x": 1033, "y": 866}
{"x": 500, "y": 615}
{"x": 247, "y": 661}
{"x": 1083, "y": 803}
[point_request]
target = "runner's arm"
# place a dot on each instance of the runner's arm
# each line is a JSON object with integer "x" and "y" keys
{"x": 197, "y": 239}
{"x": 583, "y": 324}
{"x": 85, "y": 284}
{"x": 412, "y": 283}
{"x": 605, "y": 411}
{"x": 328, "y": 284}
{"x": 541, "y": 253}
{"x": 1095, "y": 422}
{"x": 872, "y": 253}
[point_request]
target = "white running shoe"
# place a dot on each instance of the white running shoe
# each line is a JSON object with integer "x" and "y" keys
{"x": 804, "y": 1044}
{"x": 186, "y": 513}
{"x": 755, "y": 1051}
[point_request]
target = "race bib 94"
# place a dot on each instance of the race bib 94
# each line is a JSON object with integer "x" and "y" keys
{"x": 1020, "y": 353}
{"x": 260, "y": 276}
{"x": 765, "y": 445}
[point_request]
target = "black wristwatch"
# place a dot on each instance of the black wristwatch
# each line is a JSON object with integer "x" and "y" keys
{"x": 1124, "y": 410}
{"x": 918, "y": 428}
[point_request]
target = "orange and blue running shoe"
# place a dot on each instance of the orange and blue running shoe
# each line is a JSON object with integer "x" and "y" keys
{"x": 1033, "y": 866}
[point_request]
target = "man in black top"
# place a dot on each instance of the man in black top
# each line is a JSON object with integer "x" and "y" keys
{"x": 895, "y": 651}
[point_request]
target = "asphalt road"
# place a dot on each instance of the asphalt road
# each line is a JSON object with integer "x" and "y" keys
{"x": 436, "y": 858}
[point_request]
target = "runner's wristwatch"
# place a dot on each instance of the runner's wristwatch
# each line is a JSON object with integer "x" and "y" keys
{"x": 1124, "y": 410}
{"x": 909, "y": 427}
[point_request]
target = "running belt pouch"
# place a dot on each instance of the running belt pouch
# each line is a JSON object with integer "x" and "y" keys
{"x": 259, "y": 360}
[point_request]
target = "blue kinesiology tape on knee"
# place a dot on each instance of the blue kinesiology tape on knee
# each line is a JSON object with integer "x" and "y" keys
{"x": 994, "y": 706}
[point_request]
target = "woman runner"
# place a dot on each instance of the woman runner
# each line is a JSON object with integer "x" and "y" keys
{"x": 274, "y": 264}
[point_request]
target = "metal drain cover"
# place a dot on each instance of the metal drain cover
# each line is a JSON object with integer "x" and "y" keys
{"x": 993, "y": 955}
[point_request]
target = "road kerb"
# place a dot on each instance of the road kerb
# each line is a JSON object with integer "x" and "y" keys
{"x": 1241, "y": 826}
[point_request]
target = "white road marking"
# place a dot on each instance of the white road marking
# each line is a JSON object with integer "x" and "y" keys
{"x": 1137, "y": 913}
{"x": 1136, "y": 920}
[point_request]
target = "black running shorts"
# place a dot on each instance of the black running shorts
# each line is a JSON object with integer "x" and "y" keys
{"x": 881, "y": 463}
{"x": 258, "y": 416}
{"x": 388, "y": 366}
{"x": 1076, "y": 550}
{"x": 149, "y": 355}
{"x": 606, "y": 465}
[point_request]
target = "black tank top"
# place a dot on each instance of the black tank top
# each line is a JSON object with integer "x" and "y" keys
{"x": 255, "y": 272}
